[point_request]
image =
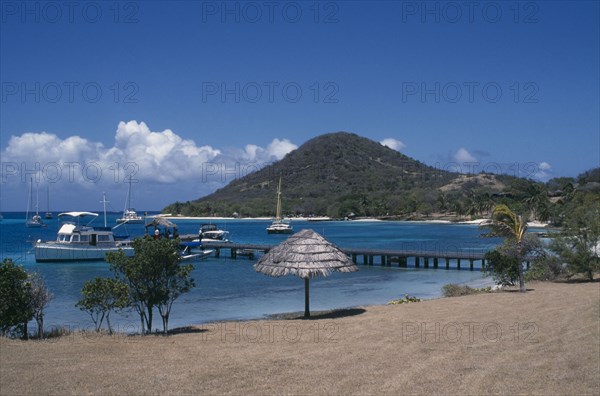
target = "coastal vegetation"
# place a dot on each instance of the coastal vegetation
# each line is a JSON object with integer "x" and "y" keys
{"x": 101, "y": 296}
{"x": 344, "y": 175}
{"x": 405, "y": 300}
{"x": 23, "y": 297}
{"x": 517, "y": 245}
{"x": 154, "y": 278}
{"x": 454, "y": 290}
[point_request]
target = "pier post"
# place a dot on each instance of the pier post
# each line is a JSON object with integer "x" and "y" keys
{"x": 383, "y": 262}
{"x": 457, "y": 263}
{"x": 365, "y": 260}
{"x": 435, "y": 262}
{"x": 370, "y": 260}
{"x": 482, "y": 264}
{"x": 354, "y": 258}
{"x": 447, "y": 263}
{"x": 471, "y": 261}
{"x": 233, "y": 253}
{"x": 217, "y": 252}
{"x": 403, "y": 261}
{"x": 426, "y": 262}
{"x": 417, "y": 262}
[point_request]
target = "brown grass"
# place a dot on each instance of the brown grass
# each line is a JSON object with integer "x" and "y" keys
{"x": 549, "y": 344}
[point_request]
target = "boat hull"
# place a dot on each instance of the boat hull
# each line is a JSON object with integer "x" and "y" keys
{"x": 280, "y": 230}
{"x": 130, "y": 221}
{"x": 48, "y": 252}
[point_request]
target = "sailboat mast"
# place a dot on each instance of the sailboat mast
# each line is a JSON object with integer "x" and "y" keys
{"x": 37, "y": 199}
{"x": 30, "y": 198}
{"x": 104, "y": 202}
{"x": 278, "y": 215}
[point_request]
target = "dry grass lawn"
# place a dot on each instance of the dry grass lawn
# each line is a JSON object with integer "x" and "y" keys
{"x": 543, "y": 342}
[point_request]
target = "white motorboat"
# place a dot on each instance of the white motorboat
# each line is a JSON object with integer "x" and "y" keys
{"x": 279, "y": 225}
{"x": 129, "y": 214}
{"x": 211, "y": 233}
{"x": 76, "y": 242}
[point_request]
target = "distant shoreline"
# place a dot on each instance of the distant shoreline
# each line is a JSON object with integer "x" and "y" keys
{"x": 532, "y": 224}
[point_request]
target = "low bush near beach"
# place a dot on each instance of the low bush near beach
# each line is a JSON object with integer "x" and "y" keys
{"x": 546, "y": 268}
{"x": 454, "y": 290}
{"x": 57, "y": 332}
{"x": 407, "y": 299}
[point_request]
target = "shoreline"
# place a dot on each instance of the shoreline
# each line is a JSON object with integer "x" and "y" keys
{"x": 531, "y": 224}
{"x": 476, "y": 344}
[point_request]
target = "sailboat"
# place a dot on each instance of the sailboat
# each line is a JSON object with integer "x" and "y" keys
{"x": 48, "y": 214}
{"x": 129, "y": 214}
{"x": 36, "y": 220}
{"x": 279, "y": 226}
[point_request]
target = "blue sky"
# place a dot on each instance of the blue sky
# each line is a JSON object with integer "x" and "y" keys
{"x": 178, "y": 93}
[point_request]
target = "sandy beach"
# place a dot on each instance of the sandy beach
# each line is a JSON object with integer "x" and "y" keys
{"x": 543, "y": 342}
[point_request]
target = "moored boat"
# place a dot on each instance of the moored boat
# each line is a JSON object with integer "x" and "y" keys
{"x": 36, "y": 220}
{"x": 212, "y": 233}
{"x": 129, "y": 214}
{"x": 76, "y": 242}
{"x": 279, "y": 225}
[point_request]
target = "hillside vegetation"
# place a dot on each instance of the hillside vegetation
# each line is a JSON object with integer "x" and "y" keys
{"x": 342, "y": 174}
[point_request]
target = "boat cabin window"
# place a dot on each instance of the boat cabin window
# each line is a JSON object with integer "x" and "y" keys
{"x": 103, "y": 238}
{"x": 75, "y": 238}
{"x": 63, "y": 238}
{"x": 85, "y": 238}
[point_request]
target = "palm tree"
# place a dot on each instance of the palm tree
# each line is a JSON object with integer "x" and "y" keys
{"x": 537, "y": 201}
{"x": 508, "y": 225}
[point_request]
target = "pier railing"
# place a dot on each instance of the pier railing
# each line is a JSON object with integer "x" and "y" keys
{"x": 383, "y": 257}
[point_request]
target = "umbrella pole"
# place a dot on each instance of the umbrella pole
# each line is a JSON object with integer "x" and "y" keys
{"x": 306, "y": 298}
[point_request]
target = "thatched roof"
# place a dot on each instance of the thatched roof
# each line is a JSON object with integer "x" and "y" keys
{"x": 305, "y": 254}
{"x": 161, "y": 221}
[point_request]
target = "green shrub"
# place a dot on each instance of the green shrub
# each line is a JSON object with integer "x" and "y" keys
{"x": 545, "y": 268}
{"x": 454, "y": 290}
{"x": 503, "y": 268}
{"x": 407, "y": 299}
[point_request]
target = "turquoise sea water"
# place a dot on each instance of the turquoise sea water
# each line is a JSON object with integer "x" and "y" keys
{"x": 231, "y": 289}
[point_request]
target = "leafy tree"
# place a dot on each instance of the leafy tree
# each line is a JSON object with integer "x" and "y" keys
{"x": 546, "y": 268}
{"x": 15, "y": 299}
{"x": 154, "y": 278}
{"x": 502, "y": 268}
{"x": 100, "y": 297}
{"x": 176, "y": 280}
{"x": 579, "y": 242}
{"x": 508, "y": 225}
{"x": 40, "y": 297}
{"x": 537, "y": 201}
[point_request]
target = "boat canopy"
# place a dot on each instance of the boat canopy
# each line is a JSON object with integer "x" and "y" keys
{"x": 67, "y": 229}
{"x": 78, "y": 214}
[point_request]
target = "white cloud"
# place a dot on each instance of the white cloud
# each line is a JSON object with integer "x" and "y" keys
{"x": 275, "y": 150}
{"x": 544, "y": 171}
{"x": 279, "y": 148}
{"x": 158, "y": 156}
{"x": 168, "y": 166}
{"x": 392, "y": 143}
{"x": 463, "y": 156}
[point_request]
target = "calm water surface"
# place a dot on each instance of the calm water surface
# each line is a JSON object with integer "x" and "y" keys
{"x": 231, "y": 289}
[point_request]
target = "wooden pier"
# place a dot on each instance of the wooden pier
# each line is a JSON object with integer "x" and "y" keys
{"x": 386, "y": 258}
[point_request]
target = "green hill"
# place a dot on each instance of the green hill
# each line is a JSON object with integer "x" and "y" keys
{"x": 342, "y": 173}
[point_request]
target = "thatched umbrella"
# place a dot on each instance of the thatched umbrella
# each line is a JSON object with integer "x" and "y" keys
{"x": 305, "y": 254}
